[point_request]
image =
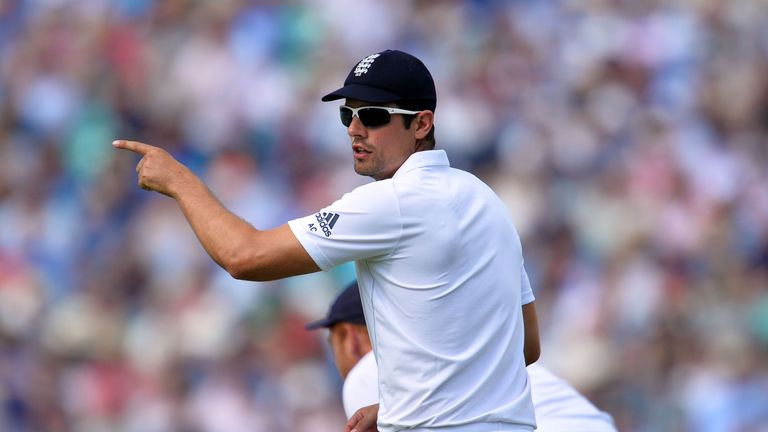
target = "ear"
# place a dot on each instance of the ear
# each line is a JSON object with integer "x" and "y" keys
{"x": 346, "y": 337}
{"x": 355, "y": 347}
{"x": 363, "y": 339}
{"x": 424, "y": 121}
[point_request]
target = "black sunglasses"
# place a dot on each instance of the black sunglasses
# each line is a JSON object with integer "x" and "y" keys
{"x": 370, "y": 116}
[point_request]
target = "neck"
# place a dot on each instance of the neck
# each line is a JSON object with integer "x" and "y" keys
{"x": 423, "y": 145}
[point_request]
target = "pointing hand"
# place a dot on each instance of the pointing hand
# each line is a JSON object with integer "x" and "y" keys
{"x": 157, "y": 170}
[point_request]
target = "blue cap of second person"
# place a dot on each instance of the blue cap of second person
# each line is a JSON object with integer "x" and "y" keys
{"x": 347, "y": 307}
{"x": 389, "y": 76}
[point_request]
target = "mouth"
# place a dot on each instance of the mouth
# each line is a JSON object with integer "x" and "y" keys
{"x": 359, "y": 151}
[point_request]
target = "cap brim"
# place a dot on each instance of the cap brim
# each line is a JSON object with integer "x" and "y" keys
{"x": 362, "y": 93}
{"x": 323, "y": 323}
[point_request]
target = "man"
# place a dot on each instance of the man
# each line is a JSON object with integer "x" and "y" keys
{"x": 438, "y": 260}
{"x": 558, "y": 406}
{"x": 352, "y": 351}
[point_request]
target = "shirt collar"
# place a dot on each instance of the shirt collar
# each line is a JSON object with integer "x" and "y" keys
{"x": 423, "y": 159}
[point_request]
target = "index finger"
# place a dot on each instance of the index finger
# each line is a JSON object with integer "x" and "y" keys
{"x": 133, "y": 146}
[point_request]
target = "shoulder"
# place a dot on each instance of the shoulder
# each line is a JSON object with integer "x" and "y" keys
{"x": 547, "y": 382}
{"x": 364, "y": 370}
{"x": 557, "y": 403}
{"x": 361, "y": 386}
{"x": 370, "y": 194}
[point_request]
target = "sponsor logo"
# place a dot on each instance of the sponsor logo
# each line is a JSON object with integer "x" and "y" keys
{"x": 364, "y": 64}
{"x": 326, "y": 221}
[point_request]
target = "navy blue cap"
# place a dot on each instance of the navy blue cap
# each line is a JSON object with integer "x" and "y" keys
{"x": 346, "y": 308}
{"x": 389, "y": 76}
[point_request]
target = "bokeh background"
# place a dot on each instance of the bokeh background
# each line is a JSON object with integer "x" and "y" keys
{"x": 628, "y": 138}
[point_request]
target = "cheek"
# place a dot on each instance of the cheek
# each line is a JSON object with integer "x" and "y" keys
{"x": 336, "y": 351}
{"x": 396, "y": 145}
{"x": 338, "y": 354}
{"x": 342, "y": 361}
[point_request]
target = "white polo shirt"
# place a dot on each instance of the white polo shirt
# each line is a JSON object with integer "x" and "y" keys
{"x": 440, "y": 269}
{"x": 361, "y": 387}
{"x": 559, "y": 407}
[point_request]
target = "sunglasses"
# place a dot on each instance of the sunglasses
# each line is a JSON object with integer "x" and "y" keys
{"x": 370, "y": 116}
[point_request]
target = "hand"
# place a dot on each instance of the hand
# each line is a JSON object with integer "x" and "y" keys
{"x": 364, "y": 420}
{"x": 157, "y": 170}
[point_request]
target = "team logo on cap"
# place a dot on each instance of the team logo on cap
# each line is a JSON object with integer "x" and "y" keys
{"x": 364, "y": 64}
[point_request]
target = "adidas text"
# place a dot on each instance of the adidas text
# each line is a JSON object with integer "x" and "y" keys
{"x": 326, "y": 222}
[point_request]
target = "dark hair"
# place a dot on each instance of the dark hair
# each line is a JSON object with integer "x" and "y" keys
{"x": 418, "y": 105}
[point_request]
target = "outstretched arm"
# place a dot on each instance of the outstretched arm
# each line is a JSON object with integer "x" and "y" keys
{"x": 234, "y": 244}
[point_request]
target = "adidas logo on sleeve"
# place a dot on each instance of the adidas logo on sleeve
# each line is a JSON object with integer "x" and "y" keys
{"x": 326, "y": 221}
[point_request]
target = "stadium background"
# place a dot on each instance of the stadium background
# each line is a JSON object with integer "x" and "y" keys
{"x": 628, "y": 138}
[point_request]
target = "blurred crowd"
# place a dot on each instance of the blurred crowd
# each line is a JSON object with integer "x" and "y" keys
{"x": 628, "y": 138}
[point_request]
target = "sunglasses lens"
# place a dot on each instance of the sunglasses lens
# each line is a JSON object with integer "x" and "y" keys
{"x": 346, "y": 116}
{"x": 372, "y": 117}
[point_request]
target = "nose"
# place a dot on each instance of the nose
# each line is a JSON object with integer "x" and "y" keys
{"x": 356, "y": 128}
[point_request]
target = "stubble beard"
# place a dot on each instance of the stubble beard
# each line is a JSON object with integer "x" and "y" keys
{"x": 365, "y": 169}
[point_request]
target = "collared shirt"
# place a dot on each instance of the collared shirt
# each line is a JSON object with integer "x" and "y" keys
{"x": 361, "y": 387}
{"x": 440, "y": 269}
{"x": 559, "y": 407}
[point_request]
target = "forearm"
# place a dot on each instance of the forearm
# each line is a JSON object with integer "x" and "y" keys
{"x": 234, "y": 244}
{"x": 222, "y": 234}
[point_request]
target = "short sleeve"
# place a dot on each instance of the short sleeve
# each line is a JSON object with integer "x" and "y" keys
{"x": 364, "y": 223}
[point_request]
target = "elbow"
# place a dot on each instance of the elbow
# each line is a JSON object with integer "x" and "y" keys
{"x": 266, "y": 258}
{"x": 242, "y": 266}
{"x": 238, "y": 272}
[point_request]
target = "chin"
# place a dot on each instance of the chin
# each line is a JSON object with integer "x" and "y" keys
{"x": 361, "y": 170}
